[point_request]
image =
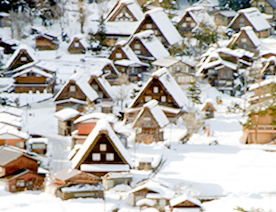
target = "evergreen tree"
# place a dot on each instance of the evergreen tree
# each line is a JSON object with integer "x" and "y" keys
{"x": 194, "y": 92}
{"x": 101, "y": 34}
{"x": 234, "y": 4}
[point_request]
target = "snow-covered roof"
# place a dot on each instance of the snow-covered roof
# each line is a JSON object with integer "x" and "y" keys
{"x": 228, "y": 13}
{"x": 156, "y": 187}
{"x": 81, "y": 81}
{"x": 133, "y": 7}
{"x": 199, "y": 15}
{"x": 120, "y": 28}
{"x": 165, "y": 26}
{"x": 262, "y": 83}
{"x": 254, "y": 17}
{"x": 29, "y": 51}
{"x": 66, "y": 114}
{"x": 83, "y": 188}
{"x": 207, "y": 3}
{"x": 130, "y": 63}
{"x": 106, "y": 86}
{"x": 102, "y": 124}
{"x": 156, "y": 112}
{"x": 38, "y": 140}
{"x": 95, "y": 116}
{"x": 105, "y": 167}
{"x": 147, "y": 202}
{"x": 12, "y": 110}
{"x": 66, "y": 173}
{"x": 251, "y": 35}
{"x": 165, "y": 62}
{"x": 81, "y": 38}
{"x": 8, "y": 133}
{"x": 175, "y": 201}
{"x": 112, "y": 175}
{"x": 170, "y": 84}
{"x": 130, "y": 54}
{"x": 33, "y": 70}
{"x": 152, "y": 44}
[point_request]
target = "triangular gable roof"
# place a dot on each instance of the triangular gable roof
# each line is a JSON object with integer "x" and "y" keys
{"x": 29, "y": 51}
{"x": 33, "y": 70}
{"x": 199, "y": 15}
{"x": 254, "y": 17}
{"x": 131, "y": 6}
{"x": 157, "y": 113}
{"x": 80, "y": 38}
{"x": 152, "y": 44}
{"x": 164, "y": 24}
{"x": 165, "y": 62}
{"x": 102, "y": 125}
{"x": 183, "y": 198}
{"x": 81, "y": 81}
{"x": 103, "y": 83}
{"x": 169, "y": 83}
{"x": 13, "y": 132}
{"x": 208, "y": 104}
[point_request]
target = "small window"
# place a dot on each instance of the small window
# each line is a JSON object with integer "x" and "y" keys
{"x": 146, "y": 119}
{"x": 184, "y": 24}
{"x": 137, "y": 46}
{"x": 188, "y": 18}
{"x": 147, "y": 98}
{"x": 241, "y": 20}
{"x": 243, "y": 40}
{"x": 72, "y": 88}
{"x": 23, "y": 59}
{"x": 163, "y": 98}
{"x": 118, "y": 55}
{"x": 271, "y": 68}
{"x": 20, "y": 183}
{"x": 96, "y": 156}
{"x": 95, "y": 86}
{"x": 148, "y": 26}
{"x": 102, "y": 147}
{"x": 76, "y": 45}
{"x": 19, "y": 144}
{"x": 192, "y": 24}
{"x": 109, "y": 156}
{"x": 155, "y": 89}
{"x": 137, "y": 52}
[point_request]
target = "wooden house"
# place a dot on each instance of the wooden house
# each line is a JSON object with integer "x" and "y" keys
{"x": 13, "y": 137}
{"x": 112, "y": 179}
{"x": 66, "y": 118}
{"x": 251, "y": 17}
{"x": 122, "y": 20}
{"x": 163, "y": 88}
{"x": 9, "y": 46}
{"x": 245, "y": 39}
{"x": 125, "y": 10}
{"x": 147, "y": 47}
{"x": 71, "y": 183}
{"x": 46, "y": 42}
{"x": 78, "y": 45}
{"x": 149, "y": 123}
{"x": 86, "y": 123}
{"x": 224, "y": 17}
{"x": 182, "y": 71}
{"x": 76, "y": 93}
{"x": 18, "y": 170}
{"x": 265, "y": 6}
{"x": 151, "y": 190}
{"x": 108, "y": 69}
{"x": 157, "y": 21}
{"x": 269, "y": 67}
{"x": 5, "y": 20}
{"x": 34, "y": 79}
{"x": 194, "y": 17}
{"x": 102, "y": 152}
{"x": 37, "y": 144}
{"x": 259, "y": 127}
{"x": 23, "y": 55}
{"x": 185, "y": 204}
{"x": 208, "y": 109}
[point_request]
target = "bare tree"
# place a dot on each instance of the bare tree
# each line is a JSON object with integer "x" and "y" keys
{"x": 121, "y": 95}
{"x": 82, "y": 15}
{"x": 193, "y": 122}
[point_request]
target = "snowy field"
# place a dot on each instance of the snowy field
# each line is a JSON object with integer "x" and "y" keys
{"x": 234, "y": 174}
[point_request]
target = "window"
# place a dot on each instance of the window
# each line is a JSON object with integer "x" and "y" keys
{"x": 23, "y": 58}
{"x": 271, "y": 68}
{"x": 192, "y": 24}
{"x": 72, "y": 88}
{"x": 163, "y": 98}
{"x": 102, "y": 147}
{"x": 155, "y": 89}
{"x": 19, "y": 144}
{"x": 184, "y": 24}
{"x": 147, "y": 98}
{"x": 109, "y": 156}
{"x": 137, "y": 51}
{"x": 188, "y": 19}
{"x": 241, "y": 20}
{"x": 137, "y": 46}
{"x": 95, "y": 86}
{"x": 96, "y": 156}
{"x": 243, "y": 40}
{"x": 146, "y": 119}
{"x": 76, "y": 44}
{"x": 118, "y": 55}
{"x": 148, "y": 26}
{"x": 20, "y": 183}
